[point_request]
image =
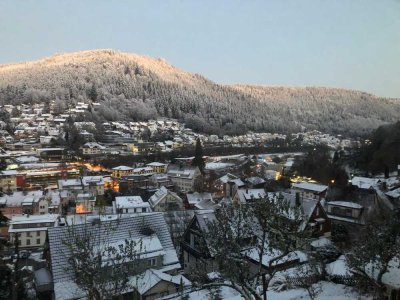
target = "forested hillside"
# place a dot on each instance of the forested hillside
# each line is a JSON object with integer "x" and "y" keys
{"x": 134, "y": 87}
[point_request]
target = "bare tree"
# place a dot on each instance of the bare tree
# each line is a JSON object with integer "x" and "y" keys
{"x": 100, "y": 268}
{"x": 263, "y": 234}
{"x": 376, "y": 251}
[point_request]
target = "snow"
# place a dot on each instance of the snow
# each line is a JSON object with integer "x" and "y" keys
{"x": 321, "y": 242}
{"x": 25, "y": 219}
{"x": 326, "y": 291}
{"x": 391, "y": 277}
{"x": 364, "y": 182}
{"x": 310, "y": 187}
{"x": 345, "y": 204}
{"x": 130, "y": 202}
{"x": 270, "y": 254}
{"x": 205, "y": 294}
{"x": 338, "y": 267}
{"x": 218, "y": 165}
{"x": 122, "y": 168}
{"x": 151, "y": 277}
{"x": 394, "y": 193}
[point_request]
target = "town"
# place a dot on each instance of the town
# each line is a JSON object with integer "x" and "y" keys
{"x": 160, "y": 205}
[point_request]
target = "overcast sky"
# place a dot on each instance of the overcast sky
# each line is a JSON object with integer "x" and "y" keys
{"x": 338, "y": 43}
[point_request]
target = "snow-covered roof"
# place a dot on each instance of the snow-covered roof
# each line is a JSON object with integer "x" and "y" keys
{"x": 152, "y": 277}
{"x": 250, "y": 194}
{"x": 122, "y": 168}
{"x": 310, "y": 187}
{"x": 364, "y": 182}
{"x": 130, "y": 202}
{"x": 8, "y": 173}
{"x": 345, "y": 204}
{"x": 27, "y": 159}
{"x": 194, "y": 198}
{"x": 255, "y": 180}
{"x": 132, "y": 227}
{"x": 92, "y": 145}
{"x": 394, "y": 193}
{"x": 156, "y": 164}
{"x": 227, "y": 177}
{"x": 17, "y": 198}
{"x": 218, "y": 165}
{"x": 160, "y": 194}
{"x": 23, "y": 219}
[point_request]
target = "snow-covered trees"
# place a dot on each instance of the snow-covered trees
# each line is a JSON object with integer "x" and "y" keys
{"x": 101, "y": 269}
{"x": 250, "y": 243}
{"x": 152, "y": 87}
{"x": 377, "y": 252}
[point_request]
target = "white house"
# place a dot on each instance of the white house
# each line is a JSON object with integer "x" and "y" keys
{"x": 31, "y": 229}
{"x": 164, "y": 200}
{"x": 130, "y": 204}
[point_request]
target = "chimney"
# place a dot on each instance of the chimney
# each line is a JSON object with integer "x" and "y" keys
{"x": 298, "y": 201}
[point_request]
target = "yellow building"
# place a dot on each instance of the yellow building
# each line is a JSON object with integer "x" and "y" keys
{"x": 121, "y": 171}
{"x": 158, "y": 167}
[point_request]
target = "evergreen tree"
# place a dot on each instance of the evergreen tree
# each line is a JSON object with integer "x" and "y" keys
{"x": 3, "y": 164}
{"x": 93, "y": 93}
{"x": 198, "y": 160}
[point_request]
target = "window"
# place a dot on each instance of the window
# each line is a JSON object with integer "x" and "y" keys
{"x": 152, "y": 262}
{"x": 37, "y": 233}
{"x": 38, "y": 241}
{"x": 28, "y": 242}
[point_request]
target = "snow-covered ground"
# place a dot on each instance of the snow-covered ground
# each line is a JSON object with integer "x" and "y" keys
{"x": 324, "y": 291}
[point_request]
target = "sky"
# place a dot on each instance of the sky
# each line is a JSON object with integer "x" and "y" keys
{"x": 351, "y": 44}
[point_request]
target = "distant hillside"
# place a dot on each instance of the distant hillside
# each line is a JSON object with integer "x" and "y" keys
{"x": 134, "y": 87}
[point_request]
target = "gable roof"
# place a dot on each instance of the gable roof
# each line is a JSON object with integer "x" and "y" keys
{"x": 152, "y": 277}
{"x": 364, "y": 182}
{"x": 160, "y": 194}
{"x": 196, "y": 197}
{"x": 319, "y": 188}
{"x": 124, "y": 228}
{"x": 250, "y": 194}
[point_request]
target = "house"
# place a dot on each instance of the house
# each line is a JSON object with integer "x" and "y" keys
{"x": 84, "y": 203}
{"x": 8, "y": 181}
{"x": 200, "y": 201}
{"x": 255, "y": 182}
{"x": 93, "y": 184}
{"x": 121, "y": 171}
{"x": 156, "y": 256}
{"x": 158, "y": 167}
{"x": 31, "y": 229}
{"x": 159, "y": 180}
{"x": 92, "y": 148}
{"x": 143, "y": 171}
{"x": 22, "y": 203}
{"x": 248, "y": 195}
{"x": 365, "y": 183}
{"x": 165, "y": 200}
{"x": 314, "y": 215}
{"x": 310, "y": 190}
{"x": 193, "y": 243}
{"x": 345, "y": 212}
{"x": 134, "y": 181}
{"x": 130, "y": 204}
{"x": 198, "y": 254}
{"x": 230, "y": 187}
{"x": 183, "y": 178}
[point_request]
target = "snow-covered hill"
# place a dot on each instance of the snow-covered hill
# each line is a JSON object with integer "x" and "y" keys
{"x": 132, "y": 86}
